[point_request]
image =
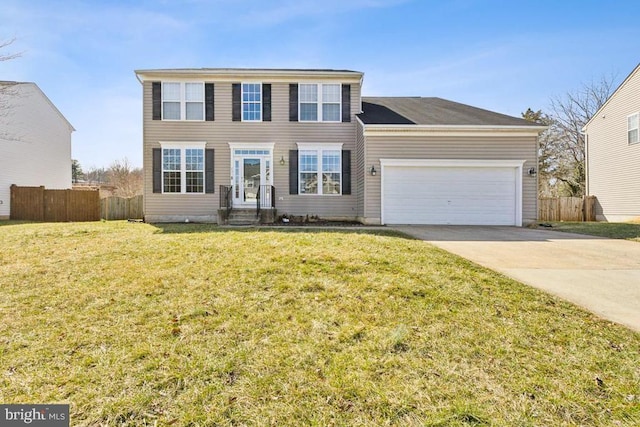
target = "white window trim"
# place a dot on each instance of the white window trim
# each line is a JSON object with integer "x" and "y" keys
{"x": 182, "y": 146}
{"x": 183, "y": 102}
{"x": 636, "y": 128}
{"x": 242, "y": 102}
{"x": 319, "y": 103}
{"x": 319, "y": 148}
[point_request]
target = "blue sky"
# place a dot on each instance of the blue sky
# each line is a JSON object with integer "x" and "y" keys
{"x": 504, "y": 56}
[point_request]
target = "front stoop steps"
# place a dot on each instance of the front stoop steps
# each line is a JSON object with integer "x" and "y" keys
{"x": 243, "y": 217}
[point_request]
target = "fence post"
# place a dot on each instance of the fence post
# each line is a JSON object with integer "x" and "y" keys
{"x": 67, "y": 197}
{"x": 43, "y": 214}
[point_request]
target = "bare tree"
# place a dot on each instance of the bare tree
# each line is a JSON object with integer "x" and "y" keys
{"x": 126, "y": 179}
{"x": 569, "y": 115}
{"x": 8, "y": 56}
{"x": 561, "y": 148}
{"x": 7, "y": 89}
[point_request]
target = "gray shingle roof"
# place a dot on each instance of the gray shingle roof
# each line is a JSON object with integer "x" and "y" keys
{"x": 430, "y": 111}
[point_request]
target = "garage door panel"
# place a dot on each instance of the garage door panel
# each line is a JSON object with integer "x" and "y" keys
{"x": 450, "y": 195}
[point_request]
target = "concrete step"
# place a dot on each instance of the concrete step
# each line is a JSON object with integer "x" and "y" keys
{"x": 243, "y": 217}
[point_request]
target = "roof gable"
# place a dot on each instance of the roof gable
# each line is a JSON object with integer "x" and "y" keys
{"x": 44, "y": 96}
{"x": 632, "y": 74}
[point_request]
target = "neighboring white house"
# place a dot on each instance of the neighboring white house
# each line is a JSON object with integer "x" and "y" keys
{"x": 613, "y": 153}
{"x": 35, "y": 142}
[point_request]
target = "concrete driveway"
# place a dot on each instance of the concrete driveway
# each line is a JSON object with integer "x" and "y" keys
{"x": 601, "y": 275}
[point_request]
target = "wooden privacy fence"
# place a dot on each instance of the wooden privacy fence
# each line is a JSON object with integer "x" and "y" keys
{"x": 121, "y": 208}
{"x": 39, "y": 204}
{"x": 567, "y": 208}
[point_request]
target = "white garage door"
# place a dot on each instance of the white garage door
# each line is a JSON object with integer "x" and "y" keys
{"x": 472, "y": 193}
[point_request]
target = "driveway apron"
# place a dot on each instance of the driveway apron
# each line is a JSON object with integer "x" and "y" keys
{"x": 599, "y": 274}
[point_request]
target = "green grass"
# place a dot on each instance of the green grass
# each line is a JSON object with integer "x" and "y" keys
{"x": 191, "y": 325}
{"x": 613, "y": 230}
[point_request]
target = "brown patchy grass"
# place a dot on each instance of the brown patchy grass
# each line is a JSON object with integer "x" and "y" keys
{"x": 133, "y": 324}
{"x": 612, "y": 230}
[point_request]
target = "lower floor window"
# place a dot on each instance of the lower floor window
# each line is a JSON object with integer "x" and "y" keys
{"x": 183, "y": 170}
{"x": 319, "y": 171}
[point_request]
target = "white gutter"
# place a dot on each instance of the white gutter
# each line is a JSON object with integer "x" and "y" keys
{"x": 236, "y": 73}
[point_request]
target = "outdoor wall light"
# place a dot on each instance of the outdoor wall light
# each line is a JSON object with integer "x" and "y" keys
{"x": 372, "y": 171}
{"x": 282, "y": 160}
{"x": 532, "y": 172}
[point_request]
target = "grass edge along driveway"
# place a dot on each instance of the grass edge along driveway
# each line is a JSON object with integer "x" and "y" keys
{"x": 134, "y": 324}
{"x": 612, "y": 230}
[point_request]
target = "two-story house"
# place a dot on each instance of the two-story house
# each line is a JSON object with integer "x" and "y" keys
{"x": 305, "y": 142}
{"x": 613, "y": 153}
{"x": 35, "y": 142}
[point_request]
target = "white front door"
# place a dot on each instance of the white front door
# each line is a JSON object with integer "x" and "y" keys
{"x": 251, "y": 168}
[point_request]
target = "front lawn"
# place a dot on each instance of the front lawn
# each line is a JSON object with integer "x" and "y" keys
{"x": 189, "y": 324}
{"x": 613, "y": 230}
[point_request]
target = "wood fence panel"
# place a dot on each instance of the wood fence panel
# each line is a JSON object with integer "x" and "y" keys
{"x": 39, "y": 204}
{"x": 84, "y": 205}
{"x": 55, "y": 205}
{"x": 590, "y": 208}
{"x": 27, "y": 203}
{"x": 121, "y": 208}
{"x": 566, "y": 209}
{"x": 136, "y": 207}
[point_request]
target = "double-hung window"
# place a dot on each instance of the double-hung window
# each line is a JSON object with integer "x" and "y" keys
{"x": 182, "y": 168}
{"x": 320, "y": 169}
{"x": 319, "y": 102}
{"x": 633, "y": 127}
{"x": 251, "y": 102}
{"x": 182, "y": 101}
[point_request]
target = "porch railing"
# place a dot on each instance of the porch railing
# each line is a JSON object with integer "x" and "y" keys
{"x": 266, "y": 198}
{"x": 226, "y": 199}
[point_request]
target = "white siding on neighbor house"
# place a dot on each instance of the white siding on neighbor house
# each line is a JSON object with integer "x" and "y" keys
{"x": 471, "y": 147}
{"x": 35, "y": 144}
{"x": 613, "y": 165}
{"x": 219, "y": 133}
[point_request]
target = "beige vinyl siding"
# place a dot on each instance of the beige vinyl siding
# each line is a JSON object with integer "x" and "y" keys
{"x": 219, "y": 133}
{"x": 471, "y": 147}
{"x": 613, "y": 165}
{"x": 358, "y": 178}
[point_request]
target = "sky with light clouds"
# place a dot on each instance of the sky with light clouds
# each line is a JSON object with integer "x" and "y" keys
{"x": 504, "y": 55}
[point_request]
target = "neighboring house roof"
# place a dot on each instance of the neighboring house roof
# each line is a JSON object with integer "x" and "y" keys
{"x": 13, "y": 83}
{"x": 430, "y": 112}
{"x": 618, "y": 89}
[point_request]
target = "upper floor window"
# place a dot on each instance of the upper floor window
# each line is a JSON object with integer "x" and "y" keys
{"x": 633, "y": 125}
{"x": 320, "y": 102}
{"x": 251, "y": 102}
{"x": 182, "y": 170}
{"x": 182, "y": 101}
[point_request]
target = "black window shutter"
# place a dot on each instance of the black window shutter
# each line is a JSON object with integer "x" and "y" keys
{"x": 346, "y": 172}
{"x": 346, "y": 103}
{"x": 156, "y": 100}
{"x": 293, "y": 171}
{"x": 208, "y": 171}
{"x": 293, "y": 102}
{"x": 157, "y": 170}
{"x": 208, "y": 102}
{"x": 266, "y": 102}
{"x": 236, "y": 94}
